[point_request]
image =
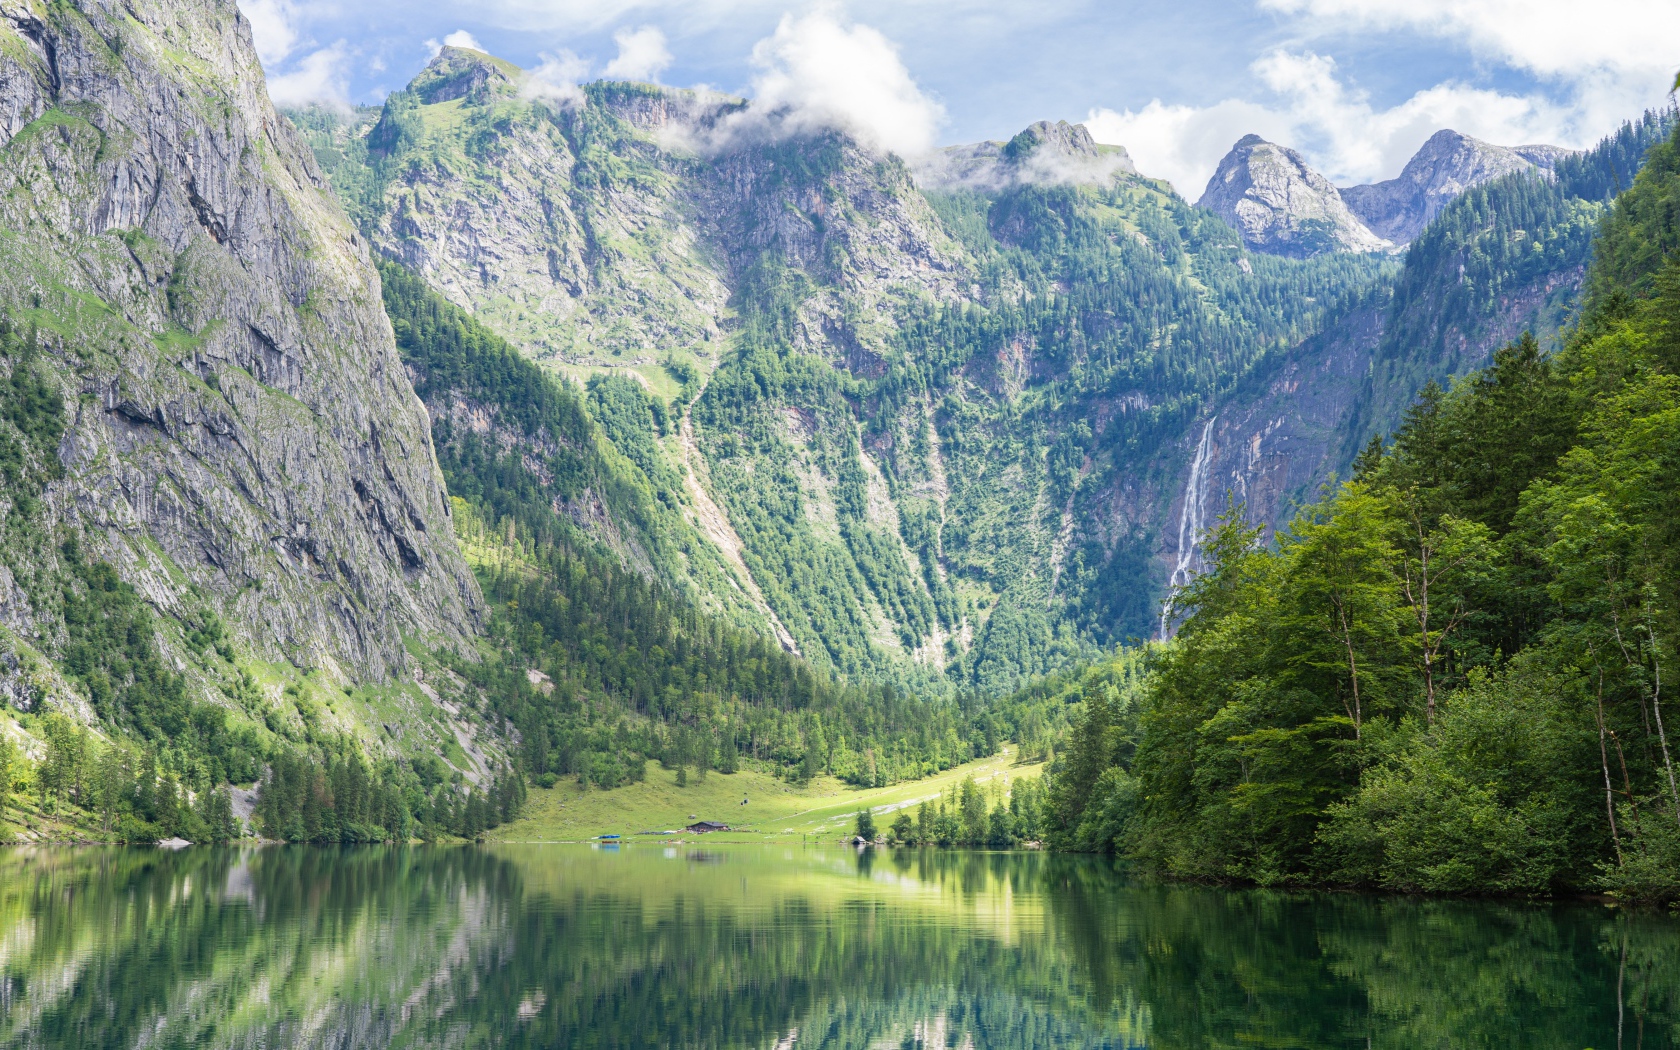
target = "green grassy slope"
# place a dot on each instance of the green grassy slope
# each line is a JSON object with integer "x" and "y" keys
{"x": 775, "y": 809}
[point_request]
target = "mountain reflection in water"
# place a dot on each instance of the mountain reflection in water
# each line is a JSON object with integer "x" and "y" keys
{"x": 564, "y": 946}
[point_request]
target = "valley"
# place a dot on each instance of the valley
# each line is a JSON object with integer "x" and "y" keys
{"x": 775, "y": 811}
{"x": 493, "y": 437}
{"x": 500, "y": 550}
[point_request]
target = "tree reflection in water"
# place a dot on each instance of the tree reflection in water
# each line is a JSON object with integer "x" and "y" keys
{"x": 559, "y": 946}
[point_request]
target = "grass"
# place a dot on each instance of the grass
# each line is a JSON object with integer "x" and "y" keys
{"x": 775, "y": 809}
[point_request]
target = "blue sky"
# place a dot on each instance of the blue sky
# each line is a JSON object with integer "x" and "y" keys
{"x": 1356, "y": 85}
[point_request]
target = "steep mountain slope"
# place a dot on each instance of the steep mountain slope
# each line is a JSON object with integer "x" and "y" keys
{"x": 921, "y": 413}
{"x": 227, "y": 556}
{"x": 1442, "y": 169}
{"x": 1450, "y": 669}
{"x": 1506, "y": 257}
{"x": 224, "y": 536}
{"x": 600, "y": 664}
{"x": 1282, "y": 206}
{"x": 238, "y": 434}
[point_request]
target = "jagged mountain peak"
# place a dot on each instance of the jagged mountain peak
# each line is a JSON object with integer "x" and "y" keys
{"x": 1044, "y": 153}
{"x": 456, "y": 72}
{"x": 1071, "y": 140}
{"x": 1281, "y": 206}
{"x": 1446, "y": 165}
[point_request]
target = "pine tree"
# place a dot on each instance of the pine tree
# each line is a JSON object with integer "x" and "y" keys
{"x": 866, "y": 825}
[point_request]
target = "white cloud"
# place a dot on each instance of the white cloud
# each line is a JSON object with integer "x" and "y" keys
{"x": 1611, "y": 60}
{"x": 1546, "y": 37}
{"x": 556, "y": 79}
{"x": 321, "y": 78}
{"x": 818, "y": 73}
{"x": 273, "y": 27}
{"x": 459, "y": 38}
{"x": 1183, "y": 144}
{"x": 1337, "y": 128}
{"x": 642, "y": 55}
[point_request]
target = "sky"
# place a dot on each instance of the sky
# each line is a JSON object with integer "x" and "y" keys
{"x": 1355, "y": 85}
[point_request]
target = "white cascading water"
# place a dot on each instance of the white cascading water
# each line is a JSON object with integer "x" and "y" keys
{"x": 1189, "y": 521}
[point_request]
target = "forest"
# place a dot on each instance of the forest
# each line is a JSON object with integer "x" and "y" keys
{"x": 1445, "y": 675}
{"x": 1452, "y": 672}
{"x": 628, "y": 669}
{"x": 1108, "y": 295}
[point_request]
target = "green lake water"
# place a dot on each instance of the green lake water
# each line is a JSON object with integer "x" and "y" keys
{"x": 651, "y": 946}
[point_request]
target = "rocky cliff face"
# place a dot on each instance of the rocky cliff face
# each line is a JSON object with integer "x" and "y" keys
{"x": 965, "y": 432}
{"x": 1299, "y": 420}
{"x": 1282, "y": 206}
{"x": 241, "y": 435}
{"x": 1446, "y": 166}
{"x": 633, "y": 233}
{"x": 1502, "y": 258}
{"x": 616, "y": 232}
{"x": 894, "y": 490}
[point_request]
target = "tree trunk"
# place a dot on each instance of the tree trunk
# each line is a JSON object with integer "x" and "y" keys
{"x": 1662, "y": 735}
{"x": 1604, "y": 761}
{"x": 1353, "y": 666}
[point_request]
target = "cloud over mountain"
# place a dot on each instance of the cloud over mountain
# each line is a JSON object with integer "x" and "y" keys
{"x": 818, "y": 72}
{"x": 1347, "y": 136}
{"x": 642, "y": 55}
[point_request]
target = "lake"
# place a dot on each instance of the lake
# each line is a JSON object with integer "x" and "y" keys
{"x": 776, "y": 947}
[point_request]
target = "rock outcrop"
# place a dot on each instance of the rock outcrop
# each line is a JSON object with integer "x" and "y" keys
{"x": 1446, "y": 166}
{"x": 1044, "y": 154}
{"x": 461, "y": 72}
{"x": 596, "y": 232}
{"x": 1283, "y": 207}
{"x": 241, "y": 435}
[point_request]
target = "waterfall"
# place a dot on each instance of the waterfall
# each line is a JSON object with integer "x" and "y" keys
{"x": 1189, "y": 520}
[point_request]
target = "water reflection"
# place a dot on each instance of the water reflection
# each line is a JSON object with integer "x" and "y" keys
{"x": 557, "y": 946}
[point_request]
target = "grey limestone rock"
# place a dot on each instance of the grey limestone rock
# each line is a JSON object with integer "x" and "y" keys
{"x": 1281, "y": 206}
{"x": 578, "y": 259}
{"x": 242, "y": 433}
{"x": 1042, "y": 154}
{"x": 1443, "y": 168}
{"x": 460, "y": 72}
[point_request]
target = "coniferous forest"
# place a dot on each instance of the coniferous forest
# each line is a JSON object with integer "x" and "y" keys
{"x": 632, "y": 671}
{"x": 1454, "y": 671}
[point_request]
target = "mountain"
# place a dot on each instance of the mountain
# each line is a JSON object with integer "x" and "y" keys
{"x": 759, "y": 448}
{"x": 1283, "y": 207}
{"x": 1044, "y": 153}
{"x": 1442, "y": 169}
{"x": 1506, "y": 257}
{"x": 244, "y": 568}
{"x": 225, "y": 541}
{"x": 238, "y": 437}
{"x": 923, "y": 434}
{"x": 598, "y": 663}
{"x": 1454, "y": 613}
